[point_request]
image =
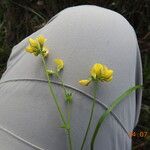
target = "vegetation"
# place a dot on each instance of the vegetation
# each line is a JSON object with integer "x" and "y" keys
{"x": 19, "y": 18}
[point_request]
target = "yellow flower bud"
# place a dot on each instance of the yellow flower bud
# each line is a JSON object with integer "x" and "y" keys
{"x": 84, "y": 82}
{"x": 59, "y": 63}
{"x": 30, "y": 49}
{"x": 33, "y": 42}
{"x": 96, "y": 71}
{"x": 41, "y": 39}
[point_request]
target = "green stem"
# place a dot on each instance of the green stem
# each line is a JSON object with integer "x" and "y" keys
{"x": 91, "y": 115}
{"x": 68, "y": 113}
{"x": 69, "y": 139}
{"x": 58, "y": 76}
{"x": 52, "y": 92}
{"x": 69, "y": 130}
{"x": 56, "y": 102}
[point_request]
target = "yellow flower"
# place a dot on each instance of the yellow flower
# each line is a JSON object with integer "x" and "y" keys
{"x": 36, "y": 46}
{"x": 30, "y": 49}
{"x": 59, "y": 63}
{"x": 107, "y": 74}
{"x": 45, "y": 51}
{"x": 85, "y": 82}
{"x": 41, "y": 39}
{"x": 101, "y": 72}
{"x": 96, "y": 70}
{"x": 33, "y": 43}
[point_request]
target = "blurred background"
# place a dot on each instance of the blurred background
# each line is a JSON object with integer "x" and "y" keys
{"x": 20, "y": 18}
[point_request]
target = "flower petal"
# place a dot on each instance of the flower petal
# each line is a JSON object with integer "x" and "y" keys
{"x": 41, "y": 39}
{"x": 109, "y": 73}
{"x": 30, "y": 49}
{"x": 59, "y": 63}
{"x": 109, "y": 79}
{"x": 84, "y": 82}
{"x": 33, "y": 42}
{"x": 96, "y": 70}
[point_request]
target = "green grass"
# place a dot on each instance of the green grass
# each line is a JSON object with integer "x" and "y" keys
{"x": 36, "y": 13}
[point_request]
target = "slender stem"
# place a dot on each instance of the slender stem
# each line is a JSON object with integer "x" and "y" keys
{"x": 91, "y": 115}
{"x": 69, "y": 130}
{"x": 68, "y": 113}
{"x": 69, "y": 139}
{"x": 56, "y": 102}
{"x": 57, "y": 74}
{"x": 52, "y": 92}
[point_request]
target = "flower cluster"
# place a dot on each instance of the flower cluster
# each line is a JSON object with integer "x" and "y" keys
{"x": 99, "y": 72}
{"x": 36, "y": 46}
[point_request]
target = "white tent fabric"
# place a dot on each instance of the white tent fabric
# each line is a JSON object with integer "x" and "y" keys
{"x": 81, "y": 36}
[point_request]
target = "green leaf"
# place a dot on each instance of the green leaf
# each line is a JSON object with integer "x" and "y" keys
{"x": 110, "y": 108}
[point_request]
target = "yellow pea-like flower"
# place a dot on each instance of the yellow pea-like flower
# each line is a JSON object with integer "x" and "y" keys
{"x": 41, "y": 39}
{"x": 96, "y": 70}
{"x": 30, "y": 49}
{"x": 59, "y": 63}
{"x": 33, "y": 42}
{"x": 85, "y": 82}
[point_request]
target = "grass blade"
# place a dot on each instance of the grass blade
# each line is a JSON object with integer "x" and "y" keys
{"x": 110, "y": 108}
